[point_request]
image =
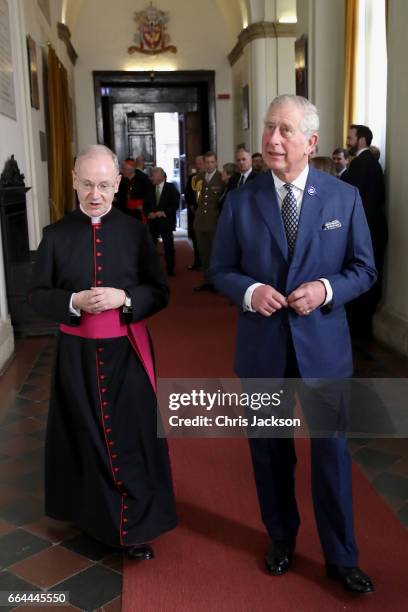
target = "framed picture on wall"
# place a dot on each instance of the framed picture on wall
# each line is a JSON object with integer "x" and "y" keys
{"x": 245, "y": 107}
{"x": 301, "y": 66}
{"x": 33, "y": 70}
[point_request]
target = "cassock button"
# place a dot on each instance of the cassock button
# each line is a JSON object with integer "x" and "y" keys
{"x": 99, "y": 282}
{"x": 114, "y": 455}
{"x": 125, "y": 520}
{"x": 125, "y": 507}
{"x": 105, "y": 403}
{"x": 103, "y": 390}
{"x": 99, "y": 268}
{"x": 98, "y": 240}
{"x": 124, "y": 494}
{"x": 102, "y": 376}
{"x": 106, "y": 417}
{"x": 100, "y": 363}
{"x": 108, "y": 430}
{"x": 111, "y": 443}
{"x": 119, "y": 483}
{"x": 100, "y": 349}
{"x": 98, "y": 254}
{"x": 116, "y": 469}
{"x": 124, "y": 532}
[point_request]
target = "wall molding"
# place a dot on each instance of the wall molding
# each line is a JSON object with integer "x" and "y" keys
{"x": 260, "y": 29}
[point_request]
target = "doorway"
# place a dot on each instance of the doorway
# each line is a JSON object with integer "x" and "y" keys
{"x": 130, "y": 110}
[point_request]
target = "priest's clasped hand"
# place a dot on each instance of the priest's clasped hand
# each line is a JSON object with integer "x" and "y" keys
{"x": 99, "y": 299}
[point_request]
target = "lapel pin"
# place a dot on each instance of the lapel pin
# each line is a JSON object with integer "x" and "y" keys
{"x": 311, "y": 190}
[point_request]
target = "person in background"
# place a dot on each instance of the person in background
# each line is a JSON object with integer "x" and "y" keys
{"x": 325, "y": 164}
{"x": 258, "y": 164}
{"x": 162, "y": 216}
{"x": 207, "y": 212}
{"x": 243, "y": 160}
{"x": 341, "y": 159}
{"x": 228, "y": 174}
{"x": 365, "y": 173}
{"x": 191, "y": 195}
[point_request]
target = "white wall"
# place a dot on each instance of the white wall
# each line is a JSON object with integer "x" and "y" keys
{"x": 391, "y": 324}
{"x": 196, "y": 28}
{"x": 34, "y": 23}
{"x": 323, "y": 24}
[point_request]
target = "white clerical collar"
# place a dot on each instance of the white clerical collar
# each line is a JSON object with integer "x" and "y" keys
{"x": 362, "y": 151}
{"x": 95, "y": 220}
{"x": 299, "y": 181}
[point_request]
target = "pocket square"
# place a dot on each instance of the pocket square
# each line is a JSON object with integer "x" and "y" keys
{"x": 331, "y": 225}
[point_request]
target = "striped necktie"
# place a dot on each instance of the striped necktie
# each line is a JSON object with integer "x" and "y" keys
{"x": 290, "y": 217}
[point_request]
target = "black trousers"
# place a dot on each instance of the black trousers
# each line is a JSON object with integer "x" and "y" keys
{"x": 168, "y": 243}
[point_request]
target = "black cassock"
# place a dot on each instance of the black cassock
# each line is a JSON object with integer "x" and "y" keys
{"x": 106, "y": 470}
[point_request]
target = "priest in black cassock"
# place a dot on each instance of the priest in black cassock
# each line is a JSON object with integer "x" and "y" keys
{"x": 97, "y": 274}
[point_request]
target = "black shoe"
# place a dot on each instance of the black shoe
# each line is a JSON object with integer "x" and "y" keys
{"x": 351, "y": 578}
{"x": 205, "y": 287}
{"x": 279, "y": 558}
{"x": 142, "y": 552}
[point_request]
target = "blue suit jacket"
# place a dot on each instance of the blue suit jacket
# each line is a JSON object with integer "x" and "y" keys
{"x": 250, "y": 246}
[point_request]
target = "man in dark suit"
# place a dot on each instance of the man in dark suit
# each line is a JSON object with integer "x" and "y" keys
{"x": 366, "y": 174}
{"x": 191, "y": 195}
{"x": 246, "y": 173}
{"x": 291, "y": 249}
{"x": 340, "y": 157}
{"x": 162, "y": 215}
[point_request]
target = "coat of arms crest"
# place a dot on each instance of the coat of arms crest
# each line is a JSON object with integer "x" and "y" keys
{"x": 151, "y": 37}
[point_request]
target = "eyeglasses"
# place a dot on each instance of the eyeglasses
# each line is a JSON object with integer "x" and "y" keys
{"x": 104, "y": 187}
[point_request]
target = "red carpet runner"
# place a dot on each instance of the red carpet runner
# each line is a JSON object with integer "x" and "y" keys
{"x": 214, "y": 560}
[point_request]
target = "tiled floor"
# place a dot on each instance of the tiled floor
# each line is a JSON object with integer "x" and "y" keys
{"x": 40, "y": 554}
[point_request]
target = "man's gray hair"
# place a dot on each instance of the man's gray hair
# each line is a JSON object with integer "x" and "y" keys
{"x": 160, "y": 170}
{"x": 309, "y": 123}
{"x": 94, "y": 151}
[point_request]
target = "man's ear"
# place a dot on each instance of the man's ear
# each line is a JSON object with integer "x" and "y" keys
{"x": 311, "y": 143}
{"x": 73, "y": 179}
{"x": 118, "y": 179}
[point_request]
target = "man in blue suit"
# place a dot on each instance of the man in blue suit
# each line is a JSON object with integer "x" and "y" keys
{"x": 292, "y": 248}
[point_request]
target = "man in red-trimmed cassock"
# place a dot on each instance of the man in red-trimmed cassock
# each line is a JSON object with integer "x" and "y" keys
{"x": 97, "y": 274}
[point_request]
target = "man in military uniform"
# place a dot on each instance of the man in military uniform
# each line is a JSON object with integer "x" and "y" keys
{"x": 206, "y": 216}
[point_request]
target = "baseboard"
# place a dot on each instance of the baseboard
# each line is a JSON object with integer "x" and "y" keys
{"x": 391, "y": 330}
{"x": 6, "y": 344}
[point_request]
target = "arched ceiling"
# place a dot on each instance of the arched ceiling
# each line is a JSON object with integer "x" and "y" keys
{"x": 234, "y": 13}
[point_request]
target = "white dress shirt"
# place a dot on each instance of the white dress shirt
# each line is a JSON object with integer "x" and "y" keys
{"x": 298, "y": 188}
{"x": 208, "y": 177}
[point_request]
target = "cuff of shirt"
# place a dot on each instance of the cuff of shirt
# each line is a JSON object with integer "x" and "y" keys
{"x": 329, "y": 291}
{"x": 72, "y": 310}
{"x": 246, "y": 304}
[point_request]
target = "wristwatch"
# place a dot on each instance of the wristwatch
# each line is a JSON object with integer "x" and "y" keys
{"x": 128, "y": 300}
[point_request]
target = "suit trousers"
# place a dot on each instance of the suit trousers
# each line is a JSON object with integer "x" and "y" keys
{"x": 274, "y": 464}
{"x": 168, "y": 244}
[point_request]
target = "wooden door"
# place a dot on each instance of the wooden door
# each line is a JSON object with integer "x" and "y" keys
{"x": 190, "y": 138}
{"x": 140, "y": 137}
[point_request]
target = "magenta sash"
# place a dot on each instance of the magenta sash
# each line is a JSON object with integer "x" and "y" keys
{"x": 108, "y": 324}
